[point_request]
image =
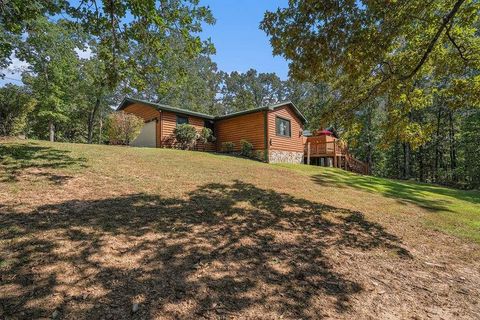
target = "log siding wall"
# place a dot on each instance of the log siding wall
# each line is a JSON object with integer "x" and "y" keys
{"x": 169, "y": 123}
{"x": 248, "y": 127}
{"x": 293, "y": 143}
{"x": 258, "y": 128}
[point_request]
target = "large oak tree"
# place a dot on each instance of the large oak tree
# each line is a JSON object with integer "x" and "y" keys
{"x": 382, "y": 48}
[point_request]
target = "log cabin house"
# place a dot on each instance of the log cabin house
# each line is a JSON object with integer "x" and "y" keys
{"x": 276, "y": 133}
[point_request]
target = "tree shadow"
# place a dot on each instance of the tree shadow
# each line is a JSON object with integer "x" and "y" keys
{"x": 416, "y": 193}
{"x": 223, "y": 250}
{"x": 16, "y": 158}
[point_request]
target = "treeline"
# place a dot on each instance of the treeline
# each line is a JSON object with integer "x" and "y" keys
{"x": 405, "y": 77}
{"x": 447, "y": 156}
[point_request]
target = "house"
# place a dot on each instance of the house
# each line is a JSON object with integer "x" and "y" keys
{"x": 274, "y": 131}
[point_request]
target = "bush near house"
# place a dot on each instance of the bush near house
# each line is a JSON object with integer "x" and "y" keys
{"x": 205, "y": 136}
{"x": 185, "y": 134}
{"x": 246, "y": 148}
{"x": 123, "y": 128}
{"x": 228, "y": 146}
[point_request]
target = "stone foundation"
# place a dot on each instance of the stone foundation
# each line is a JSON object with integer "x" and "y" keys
{"x": 277, "y": 156}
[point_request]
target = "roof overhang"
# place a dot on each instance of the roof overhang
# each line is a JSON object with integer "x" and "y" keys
{"x": 271, "y": 108}
{"x": 161, "y": 107}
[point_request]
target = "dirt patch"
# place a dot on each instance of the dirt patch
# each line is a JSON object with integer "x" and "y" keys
{"x": 231, "y": 251}
{"x": 86, "y": 234}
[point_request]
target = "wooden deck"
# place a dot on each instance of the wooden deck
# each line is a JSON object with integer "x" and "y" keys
{"x": 332, "y": 153}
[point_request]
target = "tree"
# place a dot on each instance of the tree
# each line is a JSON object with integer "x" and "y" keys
{"x": 470, "y": 147}
{"x": 243, "y": 91}
{"x": 15, "y": 105}
{"x": 49, "y": 48}
{"x": 92, "y": 91}
{"x": 313, "y": 100}
{"x": 123, "y": 127}
{"x": 117, "y": 24}
{"x": 179, "y": 79}
{"x": 370, "y": 49}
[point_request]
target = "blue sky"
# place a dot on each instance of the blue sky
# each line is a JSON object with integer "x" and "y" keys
{"x": 240, "y": 43}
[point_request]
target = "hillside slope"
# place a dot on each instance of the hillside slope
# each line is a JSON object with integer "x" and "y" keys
{"x": 91, "y": 230}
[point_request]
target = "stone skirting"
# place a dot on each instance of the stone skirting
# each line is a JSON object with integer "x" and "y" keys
{"x": 277, "y": 156}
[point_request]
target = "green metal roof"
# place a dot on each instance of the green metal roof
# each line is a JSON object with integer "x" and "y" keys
{"x": 129, "y": 101}
{"x": 271, "y": 107}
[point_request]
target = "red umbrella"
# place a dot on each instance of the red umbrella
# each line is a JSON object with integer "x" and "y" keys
{"x": 324, "y": 133}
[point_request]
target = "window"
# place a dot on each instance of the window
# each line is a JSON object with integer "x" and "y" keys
{"x": 182, "y": 120}
{"x": 282, "y": 127}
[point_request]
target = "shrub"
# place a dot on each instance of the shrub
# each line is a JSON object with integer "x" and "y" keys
{"x": 228, "y": 146}
{"x": 122, "y": 127}
{"x": 185, "y": 134}
{"x": 206, "y": 135}
{"x": 246, "y": 148}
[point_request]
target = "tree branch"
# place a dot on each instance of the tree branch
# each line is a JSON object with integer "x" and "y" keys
{"x": 459, "y": 48}
{"x": 432, "y": 43}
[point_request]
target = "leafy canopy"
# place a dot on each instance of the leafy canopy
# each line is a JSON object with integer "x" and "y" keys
{"x": 117, "y": 25}
{"x": 395, "y": 49}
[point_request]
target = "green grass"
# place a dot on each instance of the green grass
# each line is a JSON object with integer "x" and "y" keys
{"x": 186, "y": 232}
{"x": 451, "y": 210}
{"x": 44, "y": 165}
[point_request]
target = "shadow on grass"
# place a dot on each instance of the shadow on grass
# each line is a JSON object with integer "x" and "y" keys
{"x": 15, "y": 158}
{"x": 403, "y": 190}
{"x": 226, "y": 249}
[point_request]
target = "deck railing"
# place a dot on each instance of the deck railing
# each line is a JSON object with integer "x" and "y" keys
{"x": 333, "y": 149}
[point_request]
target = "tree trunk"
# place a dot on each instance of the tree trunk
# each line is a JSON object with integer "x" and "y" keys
{"x": 437, "y": 144}
{"x": 369, "y": 139}
{"x": 91, "y": 120}
{"x": 51, "y": 128}
{"x": 420, "y": 164}
{"x": 100, "y": 130}
{"x": 406, "y": 161}
{"x": 453, "y": 150}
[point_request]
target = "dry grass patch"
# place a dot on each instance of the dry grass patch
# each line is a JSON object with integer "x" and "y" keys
{"x": 192, "y": 235}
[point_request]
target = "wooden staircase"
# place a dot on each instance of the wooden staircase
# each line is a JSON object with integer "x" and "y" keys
{"x": 354, "y": 165}
{"x": 317, "y": 147}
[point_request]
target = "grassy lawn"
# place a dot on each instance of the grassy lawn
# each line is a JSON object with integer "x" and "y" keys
{"x": 101, "y": 232}
{"x": 450, "y": 210}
